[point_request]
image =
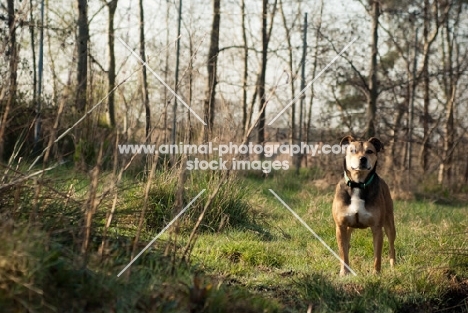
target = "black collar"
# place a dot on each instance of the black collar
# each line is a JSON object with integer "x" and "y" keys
{"x": 354, "y": 184}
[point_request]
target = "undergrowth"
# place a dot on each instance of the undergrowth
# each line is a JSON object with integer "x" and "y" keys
{"x": 251, "y": 254}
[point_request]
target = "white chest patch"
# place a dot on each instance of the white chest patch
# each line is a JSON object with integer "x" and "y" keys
{"x": 357, "y": 205}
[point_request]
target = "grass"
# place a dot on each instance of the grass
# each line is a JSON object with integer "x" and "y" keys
{"x": 251, "y": 254}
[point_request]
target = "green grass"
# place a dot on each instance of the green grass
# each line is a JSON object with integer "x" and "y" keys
{"x": 251, "y": 254}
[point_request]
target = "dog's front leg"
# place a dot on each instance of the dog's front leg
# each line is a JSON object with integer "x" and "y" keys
{"x": 377, "y": 235}
{"x": 342, "y": 237}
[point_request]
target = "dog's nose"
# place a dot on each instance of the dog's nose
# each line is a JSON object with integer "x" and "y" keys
{"x": 363, "y": 160}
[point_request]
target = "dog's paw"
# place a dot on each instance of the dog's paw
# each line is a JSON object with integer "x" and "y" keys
{"x": 344, "y": 273}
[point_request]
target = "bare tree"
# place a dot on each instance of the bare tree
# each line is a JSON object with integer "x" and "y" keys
{"x": 37, "y": 94}
{"x": 372, "y": 84}
{"x": 112, "y": 7}
{"x": 209, "y": 104}
{"x": 82, "y": 66}
{"x": 144, "y": 77}
{"x": 451, "y": 64}
{"x": 13, "y": 50}
{"x": 246, "y": 69}
{"x": 425, "y": 74}
{"x": 13, "y": 67}
{"x": 292, "y": 71}
{"x": 266, "y": 34}
{"x": 314, "y": 69}
{"x": 429, "y": 39}
{"x": 33, "y": 48}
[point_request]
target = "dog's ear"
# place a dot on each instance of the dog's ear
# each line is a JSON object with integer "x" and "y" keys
{"x": 377, "y": 144}
{"x": 346, "y": 140}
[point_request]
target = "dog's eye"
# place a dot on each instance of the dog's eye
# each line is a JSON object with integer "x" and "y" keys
{"x": 369, "y": 152}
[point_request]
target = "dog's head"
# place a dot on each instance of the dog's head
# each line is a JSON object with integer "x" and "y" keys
{"x": 361, "y": 156}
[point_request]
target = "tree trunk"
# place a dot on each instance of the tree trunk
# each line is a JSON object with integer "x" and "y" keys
{"x": 292, "y": 135}
{"x": 144, "y": 77}
{"x": 246, "y": 69}
{"x": 373, "y": 92}
{"x": 209, "y": 105}
{"x": 452, "y": 66}
{"x": 189, "y": 130}
{"x": 33, "y": 50}
{"x": 166, "y": 75}
{"x": 444, "y": 169}
{"x": 301, "y": 107}
{"x": 38, "y": 84}
{"x": 112, "y": 6}
{"x": 12, "y": 49}
{"x": 314, "y": 70}
{"x": 261, "y": 81}
{"x": 425, "y": 73}
{"x": 82, "y": 67}
{"x": 176, "y": 79}
{"x": 429, "y": 39}
{"x": 13, "y": 66}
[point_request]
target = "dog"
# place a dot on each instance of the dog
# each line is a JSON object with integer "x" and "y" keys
{"x": 362, "y": 200}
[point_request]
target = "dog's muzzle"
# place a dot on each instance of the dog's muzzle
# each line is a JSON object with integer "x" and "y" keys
{"x": 363, "y": 165}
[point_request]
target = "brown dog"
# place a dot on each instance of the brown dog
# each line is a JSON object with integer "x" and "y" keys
{"x": 362, "y": 199}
